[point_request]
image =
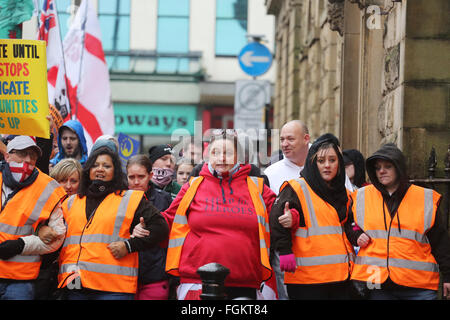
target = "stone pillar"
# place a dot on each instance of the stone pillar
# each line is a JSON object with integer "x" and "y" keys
{"x": 426, "y": 81}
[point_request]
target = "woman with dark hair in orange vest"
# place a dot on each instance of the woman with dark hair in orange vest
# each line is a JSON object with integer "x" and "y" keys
{"x": 315, "y": 254}
{"x": 99, "y": 259}
{"x": 221, "y": 216}
{"x": 403, "y": 239}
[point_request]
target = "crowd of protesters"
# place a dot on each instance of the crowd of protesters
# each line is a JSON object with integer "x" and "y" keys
{"x": 75, "y": 225}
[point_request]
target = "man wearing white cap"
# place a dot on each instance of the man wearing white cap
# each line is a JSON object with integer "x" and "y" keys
{"x": 30, "y": 199}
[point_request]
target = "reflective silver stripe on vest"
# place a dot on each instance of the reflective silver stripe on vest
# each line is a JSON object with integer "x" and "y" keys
{"x": 360, "y": 206}
{"x": 263, "y": 222}
{"x": 92, "y": 238}
{"x": 18, "y": 231}
{"x": 180, "y": 219}
{"x": 318, "y": 231}
{"x": 404, "y": 233}
{"x": 102, "y": 238}
{"x": 173, "y": 243}
{"x": 428, "y": 209}
{"x": 100, "y": 268}
{"x": 371, "y": 261}
{"x": 121, "y": 212}
{"x": 70, "y": 201}
{"x": 25, "y": 259}
{"x": 315, "y": 229}
{"x": 321, "y": 260}
{"x": 27, "y": 228}
{"x": 309, "y": 205}
{"x": 399, "y": 263}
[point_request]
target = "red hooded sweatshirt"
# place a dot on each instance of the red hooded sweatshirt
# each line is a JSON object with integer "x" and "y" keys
{"x": 224, "y": 228}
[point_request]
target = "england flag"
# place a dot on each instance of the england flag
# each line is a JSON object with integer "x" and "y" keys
{"x": 87, "y": 75}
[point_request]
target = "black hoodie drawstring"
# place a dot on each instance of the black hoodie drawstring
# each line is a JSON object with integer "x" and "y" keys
{"x": 384, "y": 216}
{"x": 229, "y": 184}
{"x": 395, "y": 213}
{"x": 221, "y": 187}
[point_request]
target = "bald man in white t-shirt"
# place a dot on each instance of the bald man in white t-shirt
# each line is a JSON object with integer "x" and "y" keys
{"x": 294, "y": 141}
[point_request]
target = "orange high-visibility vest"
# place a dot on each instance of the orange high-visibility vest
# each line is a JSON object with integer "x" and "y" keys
{"x": 180, "y": 226}
{"x": 85, "y": 249}
{"x": 403, "y": 254}
{"x": 321, "y": 248}
{"x": 21, "y": 216}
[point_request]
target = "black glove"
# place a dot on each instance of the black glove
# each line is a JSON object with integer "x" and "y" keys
{"x": 11, "y": 248}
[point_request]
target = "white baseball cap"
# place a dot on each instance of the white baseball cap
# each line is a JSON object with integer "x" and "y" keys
{"x": 22, "y": 143}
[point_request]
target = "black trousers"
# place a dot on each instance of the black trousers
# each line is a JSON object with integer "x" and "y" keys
{"x": 325, "y": 291}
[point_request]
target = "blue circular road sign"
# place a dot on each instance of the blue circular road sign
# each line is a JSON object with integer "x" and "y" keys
{"x": 255, "y": 59}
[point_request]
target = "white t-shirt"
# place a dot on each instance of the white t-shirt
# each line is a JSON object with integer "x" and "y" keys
{"x": 280, "y": 171}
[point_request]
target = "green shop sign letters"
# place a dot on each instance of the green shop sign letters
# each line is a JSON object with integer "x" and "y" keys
{"x": 154, "y": 119}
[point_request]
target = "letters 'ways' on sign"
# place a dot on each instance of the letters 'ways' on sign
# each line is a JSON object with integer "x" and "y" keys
{"x": 255, "y": 59}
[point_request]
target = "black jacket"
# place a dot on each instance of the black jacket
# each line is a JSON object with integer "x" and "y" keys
{"x": 152, "y": 262}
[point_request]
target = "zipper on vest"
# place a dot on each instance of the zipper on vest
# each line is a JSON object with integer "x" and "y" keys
{"x": 348, "y": 254}
{"x": 388, "y": 235}
{"x": 86, "y": 226}
{"x": 388, "y": 238}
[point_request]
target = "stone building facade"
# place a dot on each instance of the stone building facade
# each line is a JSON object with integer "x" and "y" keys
{"x": 369, "y": 71}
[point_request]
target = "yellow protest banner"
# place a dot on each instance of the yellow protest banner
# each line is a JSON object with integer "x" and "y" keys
{"x": 23, "y": 88}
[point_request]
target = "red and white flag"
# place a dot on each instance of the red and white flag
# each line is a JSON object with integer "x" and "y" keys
{"x": 87, "y": 74}
{"x": 49, "y": 32}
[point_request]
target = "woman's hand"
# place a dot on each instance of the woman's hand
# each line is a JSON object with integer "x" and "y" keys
{"x": 363, "y": 240}
{"x": 286, "y": 219}
{"x": 118, "y": 249}
{"x": 139, "y": 230}
{"x": 446, "y": 290}
{"x": 288, "y": 263}
{"x": 47, "y": 234}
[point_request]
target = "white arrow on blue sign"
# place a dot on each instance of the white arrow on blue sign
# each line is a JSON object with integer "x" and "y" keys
{"x": 255, "y": 59}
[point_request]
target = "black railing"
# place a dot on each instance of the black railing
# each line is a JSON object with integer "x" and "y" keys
{"x": 441, "y": 185}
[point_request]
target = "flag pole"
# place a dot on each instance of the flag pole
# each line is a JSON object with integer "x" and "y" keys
{"x": 64, "y": 62}
{"x": 83, "y": 27}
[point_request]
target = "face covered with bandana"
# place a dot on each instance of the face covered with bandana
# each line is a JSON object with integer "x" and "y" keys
{"x": 22, "y": 163}
{"x": 162, "y": 176}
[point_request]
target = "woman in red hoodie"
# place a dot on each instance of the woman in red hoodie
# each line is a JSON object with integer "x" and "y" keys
{"x": 221, "y": 216}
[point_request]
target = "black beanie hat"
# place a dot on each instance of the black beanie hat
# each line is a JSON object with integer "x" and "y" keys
{"x": 156, "y": 152}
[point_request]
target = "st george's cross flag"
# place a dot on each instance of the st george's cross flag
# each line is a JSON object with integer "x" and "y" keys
{"x": 87, "y": 75}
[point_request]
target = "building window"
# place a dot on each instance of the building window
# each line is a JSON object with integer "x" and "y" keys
{"x": 114, "y": 18}
{"x": 172, "y": 36}
{"x": 231, "y": 26}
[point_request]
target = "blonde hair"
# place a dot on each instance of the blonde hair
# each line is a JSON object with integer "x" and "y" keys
{"x": 65, "y": 168}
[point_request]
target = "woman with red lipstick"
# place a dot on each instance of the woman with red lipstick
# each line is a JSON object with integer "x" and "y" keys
{"x": 315, "y": 253}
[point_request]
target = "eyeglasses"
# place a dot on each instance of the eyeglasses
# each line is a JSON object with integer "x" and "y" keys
{"x": 222, "y": 132}
{"x": 24, "y": 153}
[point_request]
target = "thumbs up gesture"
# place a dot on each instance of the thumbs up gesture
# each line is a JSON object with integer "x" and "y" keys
{"x": 286, "y": 218}
{"x": 139, "y": 230}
